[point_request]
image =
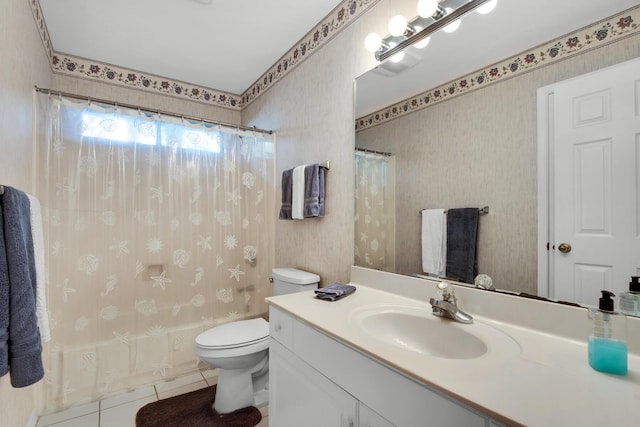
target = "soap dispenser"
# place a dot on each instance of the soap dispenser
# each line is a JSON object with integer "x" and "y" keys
{"x": 607, "y": 346}
{"x": 630, "y": 301}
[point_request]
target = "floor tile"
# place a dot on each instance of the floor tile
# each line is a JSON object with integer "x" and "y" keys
{"x": 90, "y": 420}
{"x": 179, "y": 382}
{"x": 74, "y": 412}
{"x": 182, "y": 390}
{"x": 120, "y": 410}
{"x": 119, "y": 399}
{"x": 211, "y": 376}
{"x": 123, "y": 415}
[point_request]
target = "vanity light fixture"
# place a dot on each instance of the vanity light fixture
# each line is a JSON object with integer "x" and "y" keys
{"x": 433, "y": 15}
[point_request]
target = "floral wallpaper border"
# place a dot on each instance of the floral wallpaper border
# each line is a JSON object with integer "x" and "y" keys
{"x": 338, "y": 19}
{"x": 624, "y": 25}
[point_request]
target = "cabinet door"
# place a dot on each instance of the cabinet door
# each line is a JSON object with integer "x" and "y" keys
{"x": 300, "y": 396}
{"x": 367, "y": 417}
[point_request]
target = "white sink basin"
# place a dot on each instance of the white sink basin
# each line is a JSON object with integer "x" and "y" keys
{"x": 415, "y": 329}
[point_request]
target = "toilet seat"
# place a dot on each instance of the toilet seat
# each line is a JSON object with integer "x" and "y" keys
{"x": 241, "y": 333}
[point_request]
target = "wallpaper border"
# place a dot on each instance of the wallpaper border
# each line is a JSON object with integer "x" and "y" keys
{"x": 617, "y": 27}
{"x": 337, "y": 20}
{"x": 345, "y": 13}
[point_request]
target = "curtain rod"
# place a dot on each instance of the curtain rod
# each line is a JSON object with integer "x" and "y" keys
{"x": 149, "y": 110}
{"x": 366, "y": 150}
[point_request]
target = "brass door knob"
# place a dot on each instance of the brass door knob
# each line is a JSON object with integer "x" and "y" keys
{"x": 565, "y": 248}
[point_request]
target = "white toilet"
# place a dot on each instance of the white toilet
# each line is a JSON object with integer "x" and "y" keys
{"x": 241, "y": 349}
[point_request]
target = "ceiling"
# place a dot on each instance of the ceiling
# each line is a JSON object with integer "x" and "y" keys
{"x": 227, "y": 45}
{"x": 224, "y": 45}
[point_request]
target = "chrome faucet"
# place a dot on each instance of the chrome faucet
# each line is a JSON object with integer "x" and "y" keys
{"x": 447, "y": 307}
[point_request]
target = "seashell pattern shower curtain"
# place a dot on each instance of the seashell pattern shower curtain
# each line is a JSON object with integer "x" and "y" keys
{"x": 374, "y": 240}
{"x": 155, "y": 230}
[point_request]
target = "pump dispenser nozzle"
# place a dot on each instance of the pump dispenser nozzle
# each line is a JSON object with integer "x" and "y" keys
{"x": 634, "y": 284}
{"x": 606, "y": 303}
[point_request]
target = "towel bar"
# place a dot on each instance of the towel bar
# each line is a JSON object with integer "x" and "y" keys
{"x": 481, "y": 211}
{"x": 326, "y": 164}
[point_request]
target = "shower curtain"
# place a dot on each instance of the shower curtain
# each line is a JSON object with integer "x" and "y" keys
{"x": 156, "y": 229}
{"x": 375, "y": 211}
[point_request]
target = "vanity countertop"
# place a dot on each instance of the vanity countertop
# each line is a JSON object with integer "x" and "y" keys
{"x": 548, "y": 382}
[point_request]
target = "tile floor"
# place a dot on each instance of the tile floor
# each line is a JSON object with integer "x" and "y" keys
{"x": 120, "y": 410}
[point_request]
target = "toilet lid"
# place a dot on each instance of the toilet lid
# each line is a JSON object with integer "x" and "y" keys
{"x": 234, "y": 334}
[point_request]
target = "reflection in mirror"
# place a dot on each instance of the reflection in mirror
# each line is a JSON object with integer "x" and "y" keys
{"x": 375, "y": 209}
{"x": 472, "y": 142}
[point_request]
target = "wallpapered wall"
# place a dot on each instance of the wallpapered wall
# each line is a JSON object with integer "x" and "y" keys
{"x": 24, "y": 64}
{"x": 96, "y": 89}
{"x": 312, "y": 111}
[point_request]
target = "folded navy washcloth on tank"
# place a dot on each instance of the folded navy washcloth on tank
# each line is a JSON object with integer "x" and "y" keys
{"x": 335, "y": 291}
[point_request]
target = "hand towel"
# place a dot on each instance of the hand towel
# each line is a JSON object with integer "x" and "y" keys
{"x": 321, "y": 190}
{"x": 462, "y": 238}
{"x": 4, "y": 302}
{"x": 287, "y": 187}
{"x": 38, "y": 252}
{"x": 434, "y": 242}
{"x": 334, "y": 292}
{"x": 313, "y": 191}
{"x": 297, "y": 197}
{"x": 25, "y": 361}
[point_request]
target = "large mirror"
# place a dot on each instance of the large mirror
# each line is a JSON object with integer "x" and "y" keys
{"x": 476, "y": 142}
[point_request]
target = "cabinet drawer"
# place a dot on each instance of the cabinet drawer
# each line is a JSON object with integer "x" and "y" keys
{"x": 281, "y": 327}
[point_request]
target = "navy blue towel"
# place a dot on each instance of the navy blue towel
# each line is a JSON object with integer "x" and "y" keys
{"x": 23, "y": 345}
{"x": 4, "y": 302}
{"x": 287, "y": 194}
{"x": 462, "y": 241}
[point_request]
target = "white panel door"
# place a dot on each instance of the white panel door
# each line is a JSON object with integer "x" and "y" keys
{"x": 595, "y": 143}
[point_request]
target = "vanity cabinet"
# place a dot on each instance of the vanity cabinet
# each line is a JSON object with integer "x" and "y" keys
{"x": 316, "y": 380}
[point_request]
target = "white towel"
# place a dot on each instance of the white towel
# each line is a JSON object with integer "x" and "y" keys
{"x": 434, "y": 242}
{"x": 297, "y": 197}
{"x": 38, "y": 256}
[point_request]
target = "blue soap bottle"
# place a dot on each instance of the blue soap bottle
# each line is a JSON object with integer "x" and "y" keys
{"x": 607, "y": 345}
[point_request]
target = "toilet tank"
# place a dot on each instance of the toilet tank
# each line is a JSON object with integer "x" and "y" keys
{"x": 290, "y": 280}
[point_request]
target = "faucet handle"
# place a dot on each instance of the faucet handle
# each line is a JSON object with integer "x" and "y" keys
{"x": 445, "y": 291}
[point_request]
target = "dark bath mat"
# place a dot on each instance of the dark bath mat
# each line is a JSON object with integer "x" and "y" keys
{"x": 194, "y": 410}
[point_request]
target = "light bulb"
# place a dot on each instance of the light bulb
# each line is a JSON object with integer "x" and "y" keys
{"x": 372, "y": 42}
{"x": 397, "y": 57}
{"x": 453, "y": 26}
{"x": 422, "y": 43}
{"x": 397, "y": 25}
{"x": 426, "y": 8}
{"x": 487, "y": 7}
